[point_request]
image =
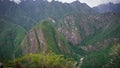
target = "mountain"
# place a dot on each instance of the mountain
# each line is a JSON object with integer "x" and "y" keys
{"x": 91, "y": 36}
{"x": 29, "y": 12}
{"x": 44, "y": 38}
{"x": 86, "y": 36}
{"x": 11, "y": 36}
{"x": 71, "y": 29}
{"x": 99, "y": 45}
{"x": 78, "y": 27}
{"x": 110, "y": 7}
{"x": 22, "y": 14}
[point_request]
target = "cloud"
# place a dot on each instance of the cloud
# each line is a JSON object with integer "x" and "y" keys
{"x": 93, "y": 3}
{"x": 17, "y": 1}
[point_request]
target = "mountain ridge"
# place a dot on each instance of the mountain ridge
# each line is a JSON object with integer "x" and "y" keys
{"x": 23, "y": 11}
{"x": 109, "y": 7}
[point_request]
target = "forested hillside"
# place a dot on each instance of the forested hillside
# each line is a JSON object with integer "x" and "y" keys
{"x": 11, "y": 36}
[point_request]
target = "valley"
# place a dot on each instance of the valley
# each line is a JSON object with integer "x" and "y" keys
{"x": 42, "y": 34}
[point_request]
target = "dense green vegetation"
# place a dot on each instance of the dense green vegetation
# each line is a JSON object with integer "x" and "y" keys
{"x": 50, "y": 35}
{"x": 115, "y": 57}
{"x": 96, "y": 59}
{"x": 11, "y": 36}
{"x": 49, "y": 60}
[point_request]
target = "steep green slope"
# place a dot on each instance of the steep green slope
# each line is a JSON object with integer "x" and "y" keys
{"x": 11, "y": 36}
{"x": 43, "y": 38}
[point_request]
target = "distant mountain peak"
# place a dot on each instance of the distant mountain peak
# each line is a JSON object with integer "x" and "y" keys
{"x": 109, "y": 7}
{"x": 76, "y": 2}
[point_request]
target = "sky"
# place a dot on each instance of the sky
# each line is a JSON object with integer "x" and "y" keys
{"x": 91, "y": 3}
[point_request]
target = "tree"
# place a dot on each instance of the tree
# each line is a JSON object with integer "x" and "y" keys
{"x": 49, "y": 60}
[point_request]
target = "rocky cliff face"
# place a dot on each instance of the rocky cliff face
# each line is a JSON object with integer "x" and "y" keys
{"x": 78, "y": 27}
{"x": 75, "y": 28}
{"x": 70, "y": 30}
